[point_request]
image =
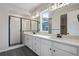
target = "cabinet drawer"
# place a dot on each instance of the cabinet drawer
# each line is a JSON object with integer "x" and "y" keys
{"x": 65, "y": 47}
{"x": 44, "y": 41}
{"x": 61, "y": 53}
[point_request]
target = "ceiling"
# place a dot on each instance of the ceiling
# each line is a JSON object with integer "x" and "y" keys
{"x": 22, "y": 8}
{"x": 26, "y": 9}
{"x": 26, "y": 6}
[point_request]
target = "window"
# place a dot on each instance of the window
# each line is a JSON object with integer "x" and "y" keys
{"x": 44, "y": 20}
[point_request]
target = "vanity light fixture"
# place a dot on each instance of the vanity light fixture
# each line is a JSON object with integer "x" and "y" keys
{"x": 57, "y": 5}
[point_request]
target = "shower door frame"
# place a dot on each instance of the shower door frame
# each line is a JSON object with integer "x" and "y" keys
{"x": 20, "y": 29}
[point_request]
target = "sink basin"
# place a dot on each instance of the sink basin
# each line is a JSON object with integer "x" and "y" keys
{"x": 43, "y": 35}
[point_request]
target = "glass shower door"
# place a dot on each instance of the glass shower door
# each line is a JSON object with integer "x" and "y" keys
{"x": 14, "y": 31}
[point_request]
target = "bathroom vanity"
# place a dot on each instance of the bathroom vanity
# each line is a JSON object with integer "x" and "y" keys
{"x": 46, "y": 45}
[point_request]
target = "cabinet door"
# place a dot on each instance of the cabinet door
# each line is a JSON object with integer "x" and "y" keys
{"x": 38, "y": 46}
{"x": 26, "y": 40}
{"x": 58, "y": 52}
{"x": 34, "y": 44}
{"x": 30, "y": 42}
{"x": 38, "y": 51}
{"x": 46, "y": 50}
{"x": 38, "y": 43}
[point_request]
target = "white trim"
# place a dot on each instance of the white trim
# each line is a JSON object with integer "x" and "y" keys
{"x": 13, "y": 47}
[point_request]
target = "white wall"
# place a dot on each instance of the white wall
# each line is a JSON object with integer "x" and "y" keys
{"x": 73, "y": 24}
{"x": 40, "y": 8}
{"x": 3, "y": 28}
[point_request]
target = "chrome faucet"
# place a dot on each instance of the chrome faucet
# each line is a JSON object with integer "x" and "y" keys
{"x": 59, "y": 36}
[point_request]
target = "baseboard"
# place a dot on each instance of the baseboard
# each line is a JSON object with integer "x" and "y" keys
{"x": 12, "y": 47}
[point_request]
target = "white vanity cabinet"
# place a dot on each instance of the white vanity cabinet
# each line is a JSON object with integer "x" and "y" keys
{"x": 37, "y": 45}
{"x": 34, "y": 43}
{"x": 46, "y": 47}
{"x": 61, "y": 49}
{"x": 51, "y": 48}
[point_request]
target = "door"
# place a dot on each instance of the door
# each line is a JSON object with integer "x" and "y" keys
{"x": 14, "y": 30}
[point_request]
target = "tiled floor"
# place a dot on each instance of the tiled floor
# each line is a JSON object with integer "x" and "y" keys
{"x": 22, "y": 51}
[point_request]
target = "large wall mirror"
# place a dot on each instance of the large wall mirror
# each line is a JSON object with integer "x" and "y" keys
{"x": 69, "y": 23}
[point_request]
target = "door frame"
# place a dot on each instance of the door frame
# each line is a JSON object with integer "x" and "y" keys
{"x": 20, "y": 28}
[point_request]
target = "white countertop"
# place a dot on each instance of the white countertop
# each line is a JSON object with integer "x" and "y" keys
{"x": 67, "y": 40}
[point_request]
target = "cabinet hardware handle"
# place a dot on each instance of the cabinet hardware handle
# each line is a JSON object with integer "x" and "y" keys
{"x": 53, "y": 50}
{"x": 50, "y": 49}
